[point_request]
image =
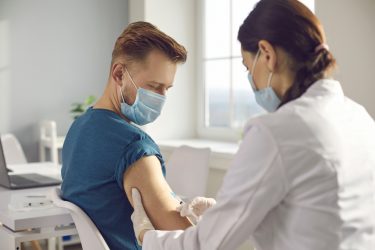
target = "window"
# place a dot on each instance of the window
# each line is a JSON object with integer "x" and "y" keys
{"x": 228, "y": 100}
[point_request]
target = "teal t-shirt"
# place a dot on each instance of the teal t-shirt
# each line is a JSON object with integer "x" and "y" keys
{"x": 98, "y": 149}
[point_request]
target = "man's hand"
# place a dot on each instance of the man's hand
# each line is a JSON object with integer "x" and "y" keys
{"x": 195, "y": 208}
{"x": 141, "y": 222}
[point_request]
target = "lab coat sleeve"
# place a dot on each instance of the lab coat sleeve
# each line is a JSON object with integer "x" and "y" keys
{"x": 254, "y": 184}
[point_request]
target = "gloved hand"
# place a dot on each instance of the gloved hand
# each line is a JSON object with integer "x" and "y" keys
{"x": 139, "y": 217}
{"x": 194, "y": 209}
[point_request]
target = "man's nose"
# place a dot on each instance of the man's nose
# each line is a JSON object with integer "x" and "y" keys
{"x": 162, "y": 91}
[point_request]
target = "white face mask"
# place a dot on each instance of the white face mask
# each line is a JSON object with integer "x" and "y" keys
{"x": 146, "y": 107}
{"x": 266, "y": 97}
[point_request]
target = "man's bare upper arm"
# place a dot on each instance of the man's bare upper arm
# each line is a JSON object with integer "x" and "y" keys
{"x": 146, "y": 175}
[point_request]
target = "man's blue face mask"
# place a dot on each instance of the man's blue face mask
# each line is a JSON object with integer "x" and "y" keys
{"x": 146, "y": 107}
{"x": 266, "y": 97}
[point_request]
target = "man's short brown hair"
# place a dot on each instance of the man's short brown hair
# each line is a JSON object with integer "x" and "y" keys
{"x": 140, "y": 38}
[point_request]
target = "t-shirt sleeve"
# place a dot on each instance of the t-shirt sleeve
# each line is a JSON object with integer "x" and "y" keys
{"x": 139, "y": 148}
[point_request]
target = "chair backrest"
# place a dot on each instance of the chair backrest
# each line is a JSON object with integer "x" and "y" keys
{"x": 13, "y": 151}
{"x": 187, "y": 171}
{"x": 48, "y": 130}
{"x": 89, "y": 235}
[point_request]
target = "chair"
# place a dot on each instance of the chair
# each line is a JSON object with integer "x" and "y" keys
{"x": 187, "y": 171}
{"x": 90, "y": 237}
{"x": 13, "y": 151}
{"x": 49, "y": 139}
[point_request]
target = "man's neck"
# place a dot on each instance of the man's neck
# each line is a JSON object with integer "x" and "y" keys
{"x": 110, "y": 101}
{"x": 105, "y": 103}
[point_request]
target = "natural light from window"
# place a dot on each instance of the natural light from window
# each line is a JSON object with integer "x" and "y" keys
{"x": 229, "y": 101}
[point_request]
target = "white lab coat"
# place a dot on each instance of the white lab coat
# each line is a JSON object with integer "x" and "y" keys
{"x": 303, "y": 178}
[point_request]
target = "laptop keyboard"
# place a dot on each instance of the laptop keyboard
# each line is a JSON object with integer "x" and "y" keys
{"x": 32, "y": 179}
{"x": 19, "y": 180}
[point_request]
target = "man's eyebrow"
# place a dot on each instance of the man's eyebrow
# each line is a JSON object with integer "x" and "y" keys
{"x": 160, "y": 83}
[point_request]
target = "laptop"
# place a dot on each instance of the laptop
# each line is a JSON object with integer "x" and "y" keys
{"x": 19, "y": 181}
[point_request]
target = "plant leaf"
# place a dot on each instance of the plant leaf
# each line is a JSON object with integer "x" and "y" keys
{"x": 90, "y": 99}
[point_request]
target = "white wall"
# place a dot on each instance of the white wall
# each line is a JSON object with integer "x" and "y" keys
{"x": 349, "y": 27}
{"x": 53, "y": 53}
{"x": 177, "y": 19}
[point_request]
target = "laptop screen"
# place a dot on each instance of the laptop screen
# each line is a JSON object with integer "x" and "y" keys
{"x": 4, "y": 178}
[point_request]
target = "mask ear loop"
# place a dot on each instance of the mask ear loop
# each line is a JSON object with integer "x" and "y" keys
{"x": 269, "y": 79}
{"x": 131, "y": 79}
{"x": 255, "y": 62}
{"x": 269, "y": 76}
{"x": 122, "y": 97}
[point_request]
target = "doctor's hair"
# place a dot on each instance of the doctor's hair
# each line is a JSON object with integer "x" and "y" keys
{"x": 290, "y": 25}
{"x": 140, "y": 38}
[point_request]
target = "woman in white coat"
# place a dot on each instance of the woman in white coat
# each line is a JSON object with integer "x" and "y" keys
{"x": 303, "y": 177}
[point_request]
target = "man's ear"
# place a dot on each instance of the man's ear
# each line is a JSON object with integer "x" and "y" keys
{"x": 117, "y": 73}
{"x": 269, "y": 54}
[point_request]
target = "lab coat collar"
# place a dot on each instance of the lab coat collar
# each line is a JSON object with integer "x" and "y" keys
{"x": 322, "y": 87}
{"x": 325, "y": 87}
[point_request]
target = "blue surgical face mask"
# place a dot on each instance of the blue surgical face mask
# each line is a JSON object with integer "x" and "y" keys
{"x": 266, "y": 97}
{"x": 146, "y": 107}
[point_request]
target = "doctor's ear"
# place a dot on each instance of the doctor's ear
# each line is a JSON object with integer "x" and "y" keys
{"x": 117, "y": 73}
{"x": 269, "y": 54}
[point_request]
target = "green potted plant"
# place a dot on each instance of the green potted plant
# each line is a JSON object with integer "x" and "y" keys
{"x": 79, "y": 108}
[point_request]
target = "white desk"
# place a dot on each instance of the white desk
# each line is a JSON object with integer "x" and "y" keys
{"x": 24, "y": 226}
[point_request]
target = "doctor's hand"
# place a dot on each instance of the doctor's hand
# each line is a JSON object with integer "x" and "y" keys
{"x": 141, "y": 222}
{"x": 195, "y": 208}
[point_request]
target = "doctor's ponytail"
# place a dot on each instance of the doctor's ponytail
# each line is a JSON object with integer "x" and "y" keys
{"x": 290, "y": 25}
{"x": 318, "y": 67}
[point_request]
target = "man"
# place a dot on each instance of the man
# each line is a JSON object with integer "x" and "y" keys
{"x": 105, "y": 155}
